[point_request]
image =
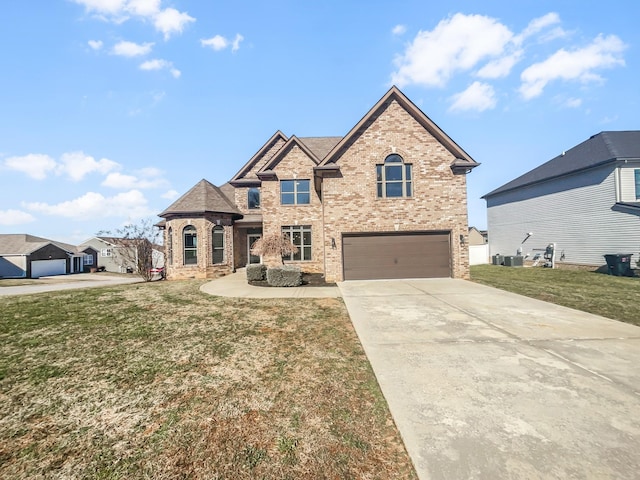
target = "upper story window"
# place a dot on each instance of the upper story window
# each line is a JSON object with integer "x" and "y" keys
{"x": 636, "y": 174}
{"x": 394, "y": 178}
{"x": 106, "y": 252}
{"x": 253, "y": 198}
{"x": 295, "y": 192}
{"x": 190, "y": 242}
{"x": 217, "y": 241}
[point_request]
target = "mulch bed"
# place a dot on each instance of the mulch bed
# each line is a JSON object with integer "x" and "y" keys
{"x": 308, "y": 280}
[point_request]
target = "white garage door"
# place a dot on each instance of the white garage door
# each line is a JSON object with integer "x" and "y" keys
{"x": 45, "y": 268}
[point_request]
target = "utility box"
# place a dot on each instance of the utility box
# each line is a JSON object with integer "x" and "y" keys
{"x": 514, "y": 261}
{"x": 498, "y": 259}
{"x": 619, "y": 264}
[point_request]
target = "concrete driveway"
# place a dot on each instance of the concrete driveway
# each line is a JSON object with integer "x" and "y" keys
{"x": 68, "y": 282}
{"x": 485, "y": 384}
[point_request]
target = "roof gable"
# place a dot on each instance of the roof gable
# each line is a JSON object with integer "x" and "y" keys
{"x": 599, "y": 149}
{"x": 280, "y": 154}
{"x": 265, "y": 153}
{"x": 203, "y": 197}
{"x": 394, "y": 94}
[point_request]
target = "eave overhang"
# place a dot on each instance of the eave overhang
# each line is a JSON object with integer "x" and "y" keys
{"x": 462, "y": 167}
{"x": 267, "y": 175}
{"x": 246, "y": 182}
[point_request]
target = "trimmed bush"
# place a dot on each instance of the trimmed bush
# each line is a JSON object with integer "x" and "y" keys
{"x": 256, "y": 272}
{"x": 285, "y": 276}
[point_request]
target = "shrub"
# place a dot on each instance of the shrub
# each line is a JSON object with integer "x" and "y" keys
{"x": 285, "y": 276}
{"x": 256, "y": 272}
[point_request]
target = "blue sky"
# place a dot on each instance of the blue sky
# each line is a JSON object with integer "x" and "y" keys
{"x": 110, "y": 109}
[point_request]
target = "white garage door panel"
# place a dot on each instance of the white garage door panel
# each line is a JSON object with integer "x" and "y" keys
{"x": 45, "y": 268}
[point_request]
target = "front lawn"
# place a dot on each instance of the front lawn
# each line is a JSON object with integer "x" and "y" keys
{"x": 612, "y": 297}
{"x": 161, "y": 381}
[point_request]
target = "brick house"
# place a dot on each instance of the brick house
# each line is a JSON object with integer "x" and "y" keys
{"x": 388, "y": 200}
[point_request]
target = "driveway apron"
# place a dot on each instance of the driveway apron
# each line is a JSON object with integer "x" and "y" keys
{"x": 485, "y": 384}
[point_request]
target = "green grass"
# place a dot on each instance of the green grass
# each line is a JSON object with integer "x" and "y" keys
{"x": 612, "y": 297}
{"x": 162, "y": 381}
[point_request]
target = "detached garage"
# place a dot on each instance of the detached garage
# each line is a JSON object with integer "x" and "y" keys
{"x": 368, "y": 256}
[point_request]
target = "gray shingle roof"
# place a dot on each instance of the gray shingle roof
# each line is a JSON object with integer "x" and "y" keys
{"x": 320, "y": 146}
{"x": 203, "y": 197}
{"x": 25, "y": 244}
{"x": 601, "y": 148}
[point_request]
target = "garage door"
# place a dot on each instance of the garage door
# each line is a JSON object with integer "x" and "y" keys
{"x": 45, "y": 268}
{"x": 393, "y": 255}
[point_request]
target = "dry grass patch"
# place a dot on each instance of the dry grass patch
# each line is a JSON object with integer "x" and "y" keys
{"x": 597, "y": 293}
{"x": 161, "y": 381}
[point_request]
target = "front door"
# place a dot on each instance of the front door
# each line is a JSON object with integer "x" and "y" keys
{"x": 251, "y": 239}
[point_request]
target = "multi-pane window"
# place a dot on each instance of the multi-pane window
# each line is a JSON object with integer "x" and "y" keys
{"x": 300, "y": 236}
{"x": 636, "y": 172}
{"x": 394, "y": 178}
{"x": 190, "y": 242}
{"x": 106, "y": 252}
{"x": 88, "y": 259}
{"x": 295, "y": 192}
{"x": 217, "y": 242}
{"x": 253, "y": 198}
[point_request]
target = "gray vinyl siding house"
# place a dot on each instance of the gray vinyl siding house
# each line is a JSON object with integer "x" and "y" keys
{"x": 586, "y": 201}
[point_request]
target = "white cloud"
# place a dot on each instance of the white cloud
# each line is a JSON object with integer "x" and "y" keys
{"x": 159, "y": 64}
{"x": 218, "y": 42}
{"x": 572, "y": 102}
{"x": 35, "y": 165}
{"x": 537, "y": 25}
{"x": 125, "y": 182}
{"x": 456, "y": 44}
{"x": 399, "y": 30}
{"x": 578, "y": 65}
{"x": 15, "y": 217}
{"x": 500, "y": 67}
{"x": 143, "y": 8}
{"x": 131, "y": 204}
{"x": 235, "y": 46}
{"x": 131, "y": 49}
{"x": 170, "y": 195}
{"x": 170, "y": 21}
{"x": 104, "y": 7}
{"x": 95, "y": 44}
{"x": 76, "y": 165}
{"x": 479, "y": 97}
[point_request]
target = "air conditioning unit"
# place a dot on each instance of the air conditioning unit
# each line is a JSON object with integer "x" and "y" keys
{"x": 514, "y": 261}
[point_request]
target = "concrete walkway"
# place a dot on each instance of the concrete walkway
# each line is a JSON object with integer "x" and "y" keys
{"x": 485, "y": 384}
{"x": 235, "y": 285}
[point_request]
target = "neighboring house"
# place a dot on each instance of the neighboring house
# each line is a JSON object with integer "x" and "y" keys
{"x": 586, "y": 201}
{"x": 477, "y": 237}
{"x": 111, "y": 259}
{"x": 478, "y": 247}
{"x": 28, "y": 256}
{"x": 388, "y": 200}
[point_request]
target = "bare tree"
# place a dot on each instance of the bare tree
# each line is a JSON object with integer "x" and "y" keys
{"x": 134, "y": 247}
{"x": 273, "y": 247}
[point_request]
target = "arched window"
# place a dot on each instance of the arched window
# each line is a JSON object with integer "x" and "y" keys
{"x": 394, "y": 178}
{"x": 170, "y": 246}
{"x": 190, "y": 242}
{"x": 217, "y": 242}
